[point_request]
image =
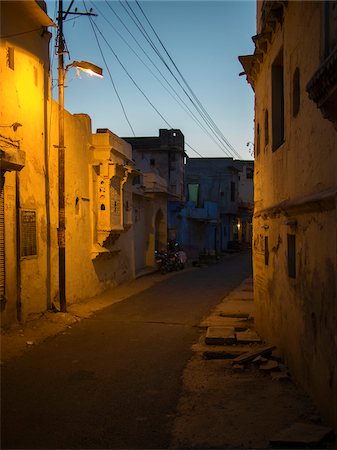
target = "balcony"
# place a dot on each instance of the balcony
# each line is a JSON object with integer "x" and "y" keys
{"x": 208, "y": 213}
{"x": 154, "y": 183}
{"x": 322, "y": 88}
{"x": 12, "y": 158}
{"x": 112, "y": 166}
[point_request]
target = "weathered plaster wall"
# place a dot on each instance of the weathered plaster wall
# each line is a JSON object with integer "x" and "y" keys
{"x": 298, "y": 314}
{"x": 23, "y": 91}
{"x": 87, "y": 273}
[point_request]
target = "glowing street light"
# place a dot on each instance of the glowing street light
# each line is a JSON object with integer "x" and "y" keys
{"x": 91, "y": 69}
{"x": 87, "y": 67}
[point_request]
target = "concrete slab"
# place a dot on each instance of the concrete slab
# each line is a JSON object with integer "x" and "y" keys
{"x": 301, "y": 435}
{"x": 220, "y": 336}
{"x": 247, "y": 337}
{"x": 249, "y": 356}
{"x": 220, "y": 354}
{"x": 237, "y": 315}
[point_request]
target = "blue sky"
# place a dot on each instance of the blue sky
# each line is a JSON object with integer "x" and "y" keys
{"x": 203, "y": 38}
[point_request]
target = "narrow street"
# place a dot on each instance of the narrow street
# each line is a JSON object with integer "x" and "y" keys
{"x": 113, "y": 380}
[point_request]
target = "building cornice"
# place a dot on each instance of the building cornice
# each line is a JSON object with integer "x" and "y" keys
{"x": 272, "y": 14}
{"x": 320, "y": 201}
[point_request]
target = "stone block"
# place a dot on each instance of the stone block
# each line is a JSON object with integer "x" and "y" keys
{"x": 220, "y": 336}
{"x": 247, "y": 337}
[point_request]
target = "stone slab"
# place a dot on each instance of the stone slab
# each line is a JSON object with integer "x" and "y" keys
{"x": 247, "y": 337}
{"x": 249, "y": 356}
{"x": 220, "y": 354}
{"x": 220, "y": 336}
{"x": 301, "y": 434}
{"x": 233, "y": 315}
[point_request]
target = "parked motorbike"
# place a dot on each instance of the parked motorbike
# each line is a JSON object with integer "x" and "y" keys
{"x": 162, "y": 262}
{"x": 168, "y": 262}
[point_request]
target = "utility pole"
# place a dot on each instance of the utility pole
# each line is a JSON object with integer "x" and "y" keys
{"x": 61, "y": 231}
{"x": 83, "y": 65}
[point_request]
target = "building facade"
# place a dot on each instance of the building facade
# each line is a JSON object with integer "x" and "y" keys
{"x": 218, "y": 210}
{"x": 24, "y": 92}
{"x": 293, "y": 73}
{"x": 164, "y": 156}
{"x": 112, "y": 222}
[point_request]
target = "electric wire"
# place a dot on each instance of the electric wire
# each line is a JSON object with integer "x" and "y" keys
{"x": 180, "y": 102}
{"x": 200, "y": 110}
{"x": 186, "y": 84}
{"x": 23, "y": 32}
{"x": 110, "y": 76}
{"x": 182, "y": 77}
{"x": 128, "y": 74}
{"x": 151, "y": 43}
{"x": 93, "y": 24}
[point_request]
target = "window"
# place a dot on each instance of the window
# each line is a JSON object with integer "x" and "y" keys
{"x": 232, "y": 191}
{"x": 291, "y": 238}
{"x": 296, "y": 92}
{"x": 266, "y": 128}
{"x": 329, "y": 27}
{"x": 193, "y": 192}
{"x": 277, "y": 102}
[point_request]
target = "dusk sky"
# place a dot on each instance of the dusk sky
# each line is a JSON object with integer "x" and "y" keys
{"x": 203, "y": 39}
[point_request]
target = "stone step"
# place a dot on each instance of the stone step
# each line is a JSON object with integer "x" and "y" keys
{"x": 220, "y": 336}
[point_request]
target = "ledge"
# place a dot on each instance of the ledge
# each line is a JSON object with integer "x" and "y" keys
{"x": 320, "y": 201}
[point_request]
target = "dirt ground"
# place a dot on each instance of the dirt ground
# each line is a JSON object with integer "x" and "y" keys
{"x": 223, "y": 407}
{"x": 219, "y": 407}
{"x": 20, "y": 338}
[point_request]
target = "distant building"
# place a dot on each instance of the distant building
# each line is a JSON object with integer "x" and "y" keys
{"x": 216, "y": 216}
{"x": 164, "y": 156}
{"x": 293, "y": 73}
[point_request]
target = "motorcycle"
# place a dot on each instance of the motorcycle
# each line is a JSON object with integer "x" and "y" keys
{"x": 162, "y": 262}
{"x": 167, "y": 262}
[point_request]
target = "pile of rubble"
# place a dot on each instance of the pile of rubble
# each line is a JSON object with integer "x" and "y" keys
{"x": 229, "y": 334}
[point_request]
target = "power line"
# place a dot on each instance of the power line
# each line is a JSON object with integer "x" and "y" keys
{"x": 186, "y": 108}
{"x": 187, "y": 85}
{"x": 111, "y": 79}
{"x": 23, "y": 32}
{"x": 202, "y": 113}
